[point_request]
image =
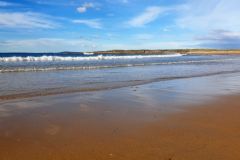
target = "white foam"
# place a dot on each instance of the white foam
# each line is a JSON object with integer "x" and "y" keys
{"x": 24, "y": 69}
{"x": 89, "y": 58}
{"x": 88, "y": 53}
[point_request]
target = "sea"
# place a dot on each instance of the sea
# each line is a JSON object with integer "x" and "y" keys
{"x": 24, "y": 75}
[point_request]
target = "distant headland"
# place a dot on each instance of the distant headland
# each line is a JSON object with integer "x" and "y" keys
{"x": 170, "y": 51}
{"x": 147, "y": 51}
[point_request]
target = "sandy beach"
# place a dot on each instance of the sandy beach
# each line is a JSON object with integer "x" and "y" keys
{"x": 119, "y": 80}
{"x": 183, "y": 107}
{"x": 138, "y": 122}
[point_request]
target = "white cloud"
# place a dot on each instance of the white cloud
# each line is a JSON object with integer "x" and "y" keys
{"x": 5, "y": 4}
{"x": 85, "y": 7}
{"x": 59, "y": 45}
{"x": 125, "y": 1}
{"x": 219, "y": 39}
{"x": 220, "y": 35}
{"x": 210, "y": 14}
{"x": 46, "y": 45}
{"x": 148, "y": 16}
{"x": 26, "y": 20}
{"x": 118, "y": 1}
{"x": 166, "y": 29}
{"x": 143, "y": 37}
{"x": 93, "y": 23}
{"x": 150, "y": 45}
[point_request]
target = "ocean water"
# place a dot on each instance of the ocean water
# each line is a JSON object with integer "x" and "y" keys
{"x": 29, "y": 75}
{"x": 19, "y": 62}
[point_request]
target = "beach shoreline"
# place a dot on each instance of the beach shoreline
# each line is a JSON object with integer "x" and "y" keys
{"x": 137, "y": 122}
{"x": 64, "y": 91}
{"x": 187, "y": 110}
{"x": 119, "y": 80}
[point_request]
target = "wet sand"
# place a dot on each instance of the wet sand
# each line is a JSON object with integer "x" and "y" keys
{"x": 76, "y": 127}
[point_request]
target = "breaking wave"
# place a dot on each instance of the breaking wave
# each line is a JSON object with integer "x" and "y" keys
{"x": 82, "y": 58}
{"x": 51, "y": 68}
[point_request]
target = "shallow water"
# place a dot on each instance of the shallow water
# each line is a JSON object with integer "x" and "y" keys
{"x": 136, "y": 71}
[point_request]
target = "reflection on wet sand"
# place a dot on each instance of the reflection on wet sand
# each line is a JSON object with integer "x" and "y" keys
{"x": 163, "y": 120}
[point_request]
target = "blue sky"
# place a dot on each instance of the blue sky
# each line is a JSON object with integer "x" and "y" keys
{"x": 87, "y": 25}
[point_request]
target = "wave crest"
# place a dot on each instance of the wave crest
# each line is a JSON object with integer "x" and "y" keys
{"x": 88, "y": 58}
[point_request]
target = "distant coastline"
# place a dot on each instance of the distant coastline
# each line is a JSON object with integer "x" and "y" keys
{"x": 170, "y": 51}
{"x": 149, "y": 51}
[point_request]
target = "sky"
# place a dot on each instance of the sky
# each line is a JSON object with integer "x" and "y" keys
{"x": 90, "y": 25}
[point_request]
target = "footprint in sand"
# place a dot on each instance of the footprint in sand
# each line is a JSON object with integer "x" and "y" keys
{"x": 84, "y": 108}
{"x": 52, "y": 130}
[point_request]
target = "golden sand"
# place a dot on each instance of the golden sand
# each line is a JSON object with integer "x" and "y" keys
{"x": 206, "y": 132}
